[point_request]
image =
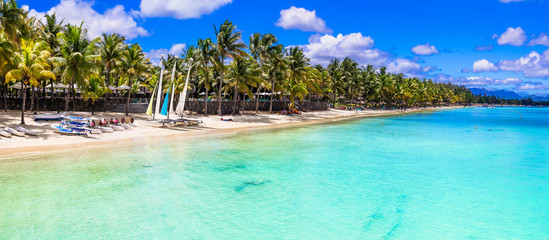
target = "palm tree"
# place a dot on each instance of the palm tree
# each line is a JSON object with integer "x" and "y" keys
{"x": 242, "y": 73}
{"x": 133, "y": 64}
{"x": 31, "y": 68}
{"x": 78, "y": 59}
{"x": 228, "y": 45}
{"x": 206, "y": 54}
{"x": 12, "y": 21}
{"x": 48, "y": 32}
{"x": 297, "y": 71}
{"x": 6, "y": 64}
{"x": 275, "y": 63}
{"x": 93, "y": 89}
{"x": 111, "y": 49}
{"x": 261, "y": 46}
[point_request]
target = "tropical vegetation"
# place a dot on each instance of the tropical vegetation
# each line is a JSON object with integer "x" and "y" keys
{"x": 45, "y": 56}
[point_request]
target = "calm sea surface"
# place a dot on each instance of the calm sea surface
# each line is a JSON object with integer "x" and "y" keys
{"x": 419, "y": 176}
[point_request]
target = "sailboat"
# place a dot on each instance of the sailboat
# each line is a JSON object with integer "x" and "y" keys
{"x": 182, "y": 97}
{"x": 168, "y": 102}
{"x": 157, "y": 111}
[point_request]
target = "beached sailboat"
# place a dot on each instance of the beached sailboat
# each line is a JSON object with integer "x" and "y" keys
{"x": 14, "y": 132}
{"x": 27, "y": 131}
{"x": 4, "y": 133}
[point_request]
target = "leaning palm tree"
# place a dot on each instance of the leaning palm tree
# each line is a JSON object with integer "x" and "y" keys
{"x": 133, "y": 65}
{"x": 78, "y": 60}
{"x": 31, "y": 68}
{"x": 110, "y": 48}
{"x": 229, "y": 45}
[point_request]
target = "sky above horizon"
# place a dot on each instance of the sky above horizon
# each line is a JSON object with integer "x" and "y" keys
{"x": 491, "y": 44}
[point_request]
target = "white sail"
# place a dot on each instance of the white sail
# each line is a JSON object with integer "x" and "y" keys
{"x": 173, "y": 89}
{"x": 159, "y": 95}
{"x": 181, "y": 105}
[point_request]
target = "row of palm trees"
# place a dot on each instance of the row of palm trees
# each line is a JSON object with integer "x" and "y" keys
{"x": 40, "y": 53}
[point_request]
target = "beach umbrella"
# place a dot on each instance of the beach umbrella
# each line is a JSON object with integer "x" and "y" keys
{"x": 123, "y": 87}
{"x": 140, "y": 92}
{"x": 60, "y": 85}
{"x": 213, "y": 93}
{"x": 16, "y": 86}
{"x": 202, "y": 94}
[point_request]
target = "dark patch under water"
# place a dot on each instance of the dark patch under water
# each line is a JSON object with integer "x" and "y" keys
{"x": 246, "y": 184}
{"x": 230, "y": 167}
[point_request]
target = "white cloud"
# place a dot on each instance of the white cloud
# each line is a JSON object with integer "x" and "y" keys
{"x": 484, "y": 66}
{"x": 156, "y": 54}
{"x": 533, "y": 86}
{"x": 513, "y": 36}
{"x": 508, "y": 81}
{"x": 321, "y": 49}
{"x": 542, "y": 39}
{"x": 180, "y": 9}
{"x": 177, "y": 48}
{"x": 302, "y": 19}
{"x": 532, "y": 65}
{"x": 403, "y": 65}
{"x": 113, "y": 20}
{"x": 425, "y": 50}
{"x": 508, "y": 1}
{"x": 33, "y": 13}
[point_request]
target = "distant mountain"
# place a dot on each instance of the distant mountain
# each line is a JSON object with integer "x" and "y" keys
{"x": 497, "y": 93}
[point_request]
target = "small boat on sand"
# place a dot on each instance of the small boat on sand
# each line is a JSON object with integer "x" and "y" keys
{"x": 28, "y": 132}
{"x": 49, "y": 117}
{"x": 5, "y": 134}
{"x": 105, "y": 129}
{"x": 14, "y": 132}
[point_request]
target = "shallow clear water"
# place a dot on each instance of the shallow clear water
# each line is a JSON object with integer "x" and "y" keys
{"x": 419, "y": 176}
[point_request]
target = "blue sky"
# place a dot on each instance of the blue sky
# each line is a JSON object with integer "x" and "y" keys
{"x": 493, "y": 44}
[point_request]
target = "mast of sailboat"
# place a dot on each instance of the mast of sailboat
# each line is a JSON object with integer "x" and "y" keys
{"x": 173, "y": 87}
{"x": 159, "y": 95}
{"x": 181, "y": 106}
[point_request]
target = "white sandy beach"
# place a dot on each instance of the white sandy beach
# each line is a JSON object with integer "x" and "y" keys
{"x": 48, "y": 140}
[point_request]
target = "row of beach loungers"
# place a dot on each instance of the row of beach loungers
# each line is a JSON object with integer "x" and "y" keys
{"x": 71, "y": 125}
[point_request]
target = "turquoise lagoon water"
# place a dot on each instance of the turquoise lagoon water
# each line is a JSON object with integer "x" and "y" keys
{"x": 419, "y": 176}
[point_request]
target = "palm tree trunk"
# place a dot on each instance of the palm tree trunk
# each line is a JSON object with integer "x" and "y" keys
{"x": 33, "y": 97}
{"x": 73, "y": 93}
{"x": 235, "y": 95}
{"x": 52, "y": 95}
{"x": 272, "y": 94}
{"x": 219, "y": 90}
{"x": 129, "y": 95}
{"x": 206, "y": 101}
{"x": 257, "y": 99}
{"x": 24, "y": 93}
{"x": 107, "y": 94}
{"x": 5, "y": 95}
{"x": 67, "y": 99}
